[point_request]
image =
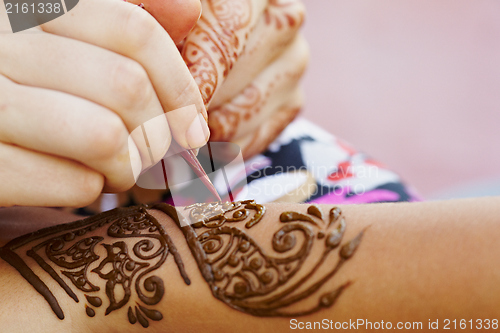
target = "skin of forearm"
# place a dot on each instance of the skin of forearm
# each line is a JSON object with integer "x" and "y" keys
{"x": 434, "y": 260}
{"x": 416, "y": 261}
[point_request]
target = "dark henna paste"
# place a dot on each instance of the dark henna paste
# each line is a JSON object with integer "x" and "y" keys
{"x": 242, "y": 275}
{"x": 15, "y": 261}
{"x": 236, "y": 266}
{"x": 90, "y": 312}
{"x": 94, "y": 300}
{"x": 66, "y": 252}
{"x": 131, "y": 316}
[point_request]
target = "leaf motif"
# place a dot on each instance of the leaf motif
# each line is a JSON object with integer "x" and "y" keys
{"x": 294, "y": 216}
{"x": 315, "y": 211}
{"x": 151, "y": 314}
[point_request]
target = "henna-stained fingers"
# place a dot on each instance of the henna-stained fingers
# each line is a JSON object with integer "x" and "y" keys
{"x": 216, "y": 42}
{"x": 273, "y": 90}
{"x": 272, "y": 35}
{"x": 68, "y": 127}
{"x": 259, "y": 78}
{"x": 128, "y": 30}
{"x": 258, "y": 141}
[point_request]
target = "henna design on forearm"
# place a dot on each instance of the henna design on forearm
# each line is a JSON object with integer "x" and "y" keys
{"x": 115, "y": 269}
{"x": 245, "y": 277}
{"x": 135, "y": 245}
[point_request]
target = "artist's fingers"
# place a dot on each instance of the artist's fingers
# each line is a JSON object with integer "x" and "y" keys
{"x": 267, "y": 94}
{"x": 216, "y": 42}
{"x": 178, "y": 17}
{"x": 93, "y": 73}
{"x": 272, "y": 35}
{"x": 29, "y": 178}
{"x": 59, "y": 124}
{"x": 129, "y": 30}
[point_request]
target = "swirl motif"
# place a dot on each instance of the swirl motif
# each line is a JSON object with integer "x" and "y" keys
{"x": 225, "y": 119}
{"x": 214, "y": 45}
{"x": 202, "y": 66}
{"x": 232, "y": 15}
{"x": 284, "y": 13}
{"x": 141, "y": 246}
{"x": 242, "y": 274}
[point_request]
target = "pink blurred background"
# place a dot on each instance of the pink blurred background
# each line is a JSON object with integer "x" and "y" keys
{"x": 414, "y": 83}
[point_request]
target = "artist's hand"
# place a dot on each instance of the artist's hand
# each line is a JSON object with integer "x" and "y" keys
{"x": 247, "y": 56}
{"x": 73, "y": 89}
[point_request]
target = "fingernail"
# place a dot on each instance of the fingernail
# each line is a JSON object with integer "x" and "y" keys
{"x": 197, "y": 133}
{"x": 157, "y": 134}
{"x": 135, "y": 158}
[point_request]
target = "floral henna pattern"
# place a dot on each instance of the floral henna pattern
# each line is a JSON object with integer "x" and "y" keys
{"x": 232, "y": 15}
{"x": 201, "y": 64}
{"x": 225, "y": 120}
{"x": 281, "y": 13}
{"x": 135, "y": 246}
{"x": 216, "y": 42}
{"x": 214, "y": 46}
{"x": 268, "y": 131}
{"x": 242, "y": 273}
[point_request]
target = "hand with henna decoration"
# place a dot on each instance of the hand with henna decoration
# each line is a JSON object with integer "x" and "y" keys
{"x": 73, "y": 89}
{"x": 247, "y": 56}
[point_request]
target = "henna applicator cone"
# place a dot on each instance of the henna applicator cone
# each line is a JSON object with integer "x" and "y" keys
{"x": 191, "y": 159}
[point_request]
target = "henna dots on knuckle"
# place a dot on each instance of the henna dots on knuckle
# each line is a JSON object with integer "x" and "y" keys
{"x": 110, "y": 262}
